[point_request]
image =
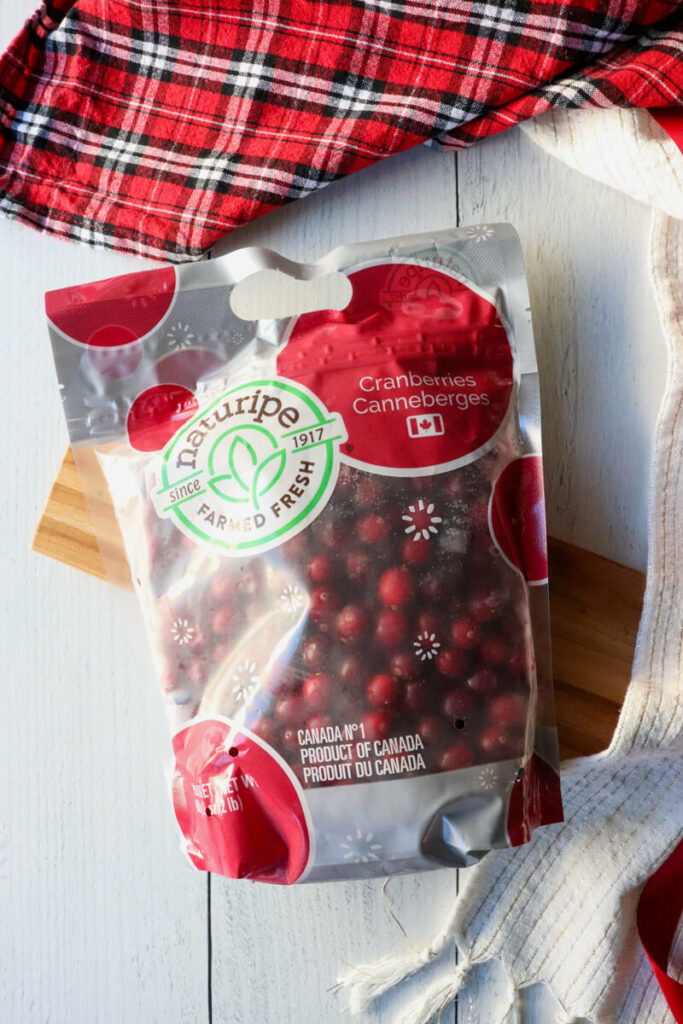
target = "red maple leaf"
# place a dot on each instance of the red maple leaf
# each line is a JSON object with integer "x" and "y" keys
{"x": 425, "y": 425}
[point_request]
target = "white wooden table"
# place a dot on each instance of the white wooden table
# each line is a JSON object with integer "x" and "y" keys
{"x": 101, "y": 921}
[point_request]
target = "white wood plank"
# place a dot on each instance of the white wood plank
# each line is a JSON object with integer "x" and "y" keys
{"x": 101, "y": 919}
{"x": 600, "y": 348}
{"x": 276, "y": 954}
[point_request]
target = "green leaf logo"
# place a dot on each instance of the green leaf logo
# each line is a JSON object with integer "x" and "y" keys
{"x": 241, "y": 460}
{"x": 267, "y": 474}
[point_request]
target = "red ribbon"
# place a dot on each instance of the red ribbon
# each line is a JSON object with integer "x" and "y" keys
{"x": 659, "y": 911}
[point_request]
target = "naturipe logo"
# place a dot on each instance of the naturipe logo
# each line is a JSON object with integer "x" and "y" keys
{"x": 253, "y": 468}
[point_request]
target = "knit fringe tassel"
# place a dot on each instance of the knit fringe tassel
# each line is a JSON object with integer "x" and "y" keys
{"x": 435, "y": 998}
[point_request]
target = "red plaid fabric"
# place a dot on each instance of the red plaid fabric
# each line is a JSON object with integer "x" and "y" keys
{"x": 156, "y": 126}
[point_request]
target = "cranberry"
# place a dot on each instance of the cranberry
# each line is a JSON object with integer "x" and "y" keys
{"x": 498, "y": 744}
{"x": 372, "y": 529}
{"x": 376, "y": 725}
{"x": 482, "y": 682}
{"x": 332, "y": 533}
{"x": 450, "y": 663}
{"x": 457, "y": 704}
{"x": 383, "y": 691}
{"x": 458, "y": 755}
{"x": 223, "y": 620}
{"x": 391, "y": 628}
{"x": 352, "y": 672}
{"x": 324, "y": 602}
{"x": 290, "y": 710}
{"x": 484, "y": 607}
{"x": 368, "y": 491}
{"x": 265, "y": 729}
{"x": 197, "y": 641}
{"x": 436, "y": 587}
{"x": 315, "y": 651}
{"x": 415, "y": 697}
{"x": 517, "y": 662}
{"x": 428, "y": 622}
{"x": 493, "y": 650}
{"x": 352, "y": 622}
{"x": 416, "y": 553}
{"x": 479, "y": 514}
{"x": 318, "y": 691}
{"x": 347, "y": 477}
{"x": 250, "y": 579}
{"x": 198, "y": 672}
{"x": 294, "y": 549}
{"x": 219, "y": 653}
{"x": 222, "y": 586}
{"x": 289, "y": 738}
{"x": 465, "y": 633}
{"x": 288, "y": 683}
{"x": 318, "y": 721}
{"x": 431, "y": 729}
{"x": 358, "y": 564}
{"x": 396, "y": 587}
{"x": 403, "y": 665}
{"x": 508, "y": 709}
{"x": 320, "y": 568}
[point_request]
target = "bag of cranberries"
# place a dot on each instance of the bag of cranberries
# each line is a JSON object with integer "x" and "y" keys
{"x": 335, "y": 526}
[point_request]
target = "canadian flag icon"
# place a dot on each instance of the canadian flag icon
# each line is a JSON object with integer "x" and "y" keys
{"x": 425, "y": 425}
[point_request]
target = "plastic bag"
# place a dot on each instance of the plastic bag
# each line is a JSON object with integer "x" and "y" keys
{"x": 335, "y": 526}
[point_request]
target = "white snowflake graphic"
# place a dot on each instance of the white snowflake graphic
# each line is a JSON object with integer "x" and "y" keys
{"x": 480, "y": 232}
{"x": 488, "y": 777}
{"x": 291, "y": 597}
{"x": 182, "y": 632}
{"x": 422, "y": 522}
{"x": 360, "y": 848}
{"x": 245, "y": 679}
{"x": 426, "y": 646}
{"x": 179, "y": 335}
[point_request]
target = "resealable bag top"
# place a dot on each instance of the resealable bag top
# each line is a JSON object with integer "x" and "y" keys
{"x": 335, "y": 526}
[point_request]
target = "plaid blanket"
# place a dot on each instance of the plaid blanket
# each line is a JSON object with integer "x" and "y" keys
{"x": 156, "y": 126}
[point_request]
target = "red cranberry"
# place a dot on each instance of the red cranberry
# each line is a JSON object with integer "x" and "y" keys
{"x": 352, "y": 672}
{"x": 288, "y": 683}
{"x": 450, "y": 663}
{"x": 324, "y": 602}
{"x": 396, "y": 587}
{"x": 332, "y": 533}
{"x": 295, "y": 549}
{"x": 314, "y": 652}
{"x": 372, "y": 529}
{"x": 320, "y": 568}
{"x": 482, "y": 682}
{"x": 403, "y": 665}
{"x": 493, "y": 650}
{"x": 250, "y": 579}
{"x": 318, "y": 721}
{"x": 457, "y": 704}
{"x": 428, "y": 622}
{"x": 435, "y": 587}
{"x": 198, "y": 672}
{"x": 265, "y": 729}
{"x": 376, "y": 725}
{"x": 222, "y": 621}
{"x": 220, "y": 653}
{"x": 498, "y": 744}
{"x": 352, "y": 622}
{"x": 391, "y": 628}
{"x": 508, "y": 709}
{"x": 383, "y": 691}
{"x": 415, "y": 697}
{"x": 368, "y": 491}
{"x": 517, "y": 662}
{"x": 318, "y": 691}
{"x": 465, "y": 633}
{"x": 457, "y": 755}
{"x": 358, "y": 565}
{"x": 484, "y": 607}
{"x": 479, "y": 514}
{"x": 289, "y": 738}
{"x": 222, "y": 586}
{"x": 416, "y": 553}
{"x": 431, "y": 729}
{"x": 290, "y": 710}
{"x": 197, "y": 641}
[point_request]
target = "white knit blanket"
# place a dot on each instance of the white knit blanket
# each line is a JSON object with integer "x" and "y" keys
{"x": 562, "y": 909}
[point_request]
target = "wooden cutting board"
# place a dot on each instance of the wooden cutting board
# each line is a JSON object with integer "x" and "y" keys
{"x": 595, "y": 607}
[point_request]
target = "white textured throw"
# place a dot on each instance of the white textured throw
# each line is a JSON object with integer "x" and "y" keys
{"x": 562, "y": 909}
